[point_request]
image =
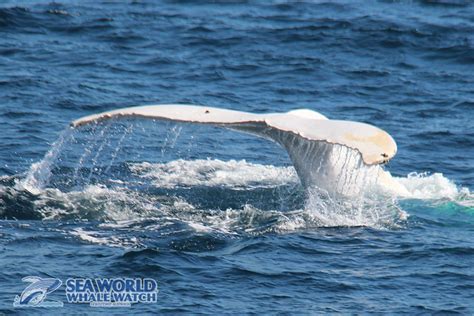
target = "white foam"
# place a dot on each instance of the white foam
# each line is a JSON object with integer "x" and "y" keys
{"x": 245, "y": 175}
{"x": 200, "y": 228}
{"x": 94, "y": 201}
{"x": 230, "y": 174}
{"x": 425, "y": 186}
{"x": 126, "y": 207}
{"x": 366, "y": 210}
{"x": 100, "y": 238}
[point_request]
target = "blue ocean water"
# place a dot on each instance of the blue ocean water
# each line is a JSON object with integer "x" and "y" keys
{"x": 219, "y": 219}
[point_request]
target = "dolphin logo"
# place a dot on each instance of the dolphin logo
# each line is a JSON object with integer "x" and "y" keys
{"x": 35, "y": 293}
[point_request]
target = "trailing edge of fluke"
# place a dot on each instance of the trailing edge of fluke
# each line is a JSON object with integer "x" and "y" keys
{"x": 375, "y": 145}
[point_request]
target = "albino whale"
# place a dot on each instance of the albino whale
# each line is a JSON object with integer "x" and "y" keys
{"x": 333, "y": 155}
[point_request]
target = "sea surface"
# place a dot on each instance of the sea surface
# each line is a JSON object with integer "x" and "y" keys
{"x": 219, "y": 219}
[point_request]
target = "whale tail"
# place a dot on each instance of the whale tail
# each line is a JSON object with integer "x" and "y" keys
{"x": 337, "y": 156}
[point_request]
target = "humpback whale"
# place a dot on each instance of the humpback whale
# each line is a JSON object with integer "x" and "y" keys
{"x": 334, "y": 155}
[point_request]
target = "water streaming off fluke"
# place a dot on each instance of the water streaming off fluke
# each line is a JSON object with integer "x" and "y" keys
{"x": 94, "y": 173}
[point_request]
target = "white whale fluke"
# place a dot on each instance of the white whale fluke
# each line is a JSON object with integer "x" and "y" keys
{"x": 320, "y": 149}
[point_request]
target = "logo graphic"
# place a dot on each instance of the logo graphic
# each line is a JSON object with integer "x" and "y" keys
{"x": 35, "y": 293}
{"x": 111, "y": 292}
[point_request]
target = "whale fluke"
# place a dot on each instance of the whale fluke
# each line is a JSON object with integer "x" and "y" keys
{"x": 313, "y": 142}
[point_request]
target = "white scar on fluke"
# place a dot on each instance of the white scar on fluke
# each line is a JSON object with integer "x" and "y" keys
{"x": 325, "y": 153}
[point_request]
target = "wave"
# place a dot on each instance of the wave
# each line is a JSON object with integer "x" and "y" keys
{"x": 213, "y": 172}
{"x": 222, "y": 196}
{"x": 241, "y": 184}
{"x": 245, "y": 175}
{"x": 427, "y": 186}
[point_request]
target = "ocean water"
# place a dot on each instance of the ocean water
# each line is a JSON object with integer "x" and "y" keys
{"x": 220, "y": 219}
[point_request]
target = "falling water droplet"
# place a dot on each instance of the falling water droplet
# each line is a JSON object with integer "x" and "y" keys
{"x": 39, "y": 173}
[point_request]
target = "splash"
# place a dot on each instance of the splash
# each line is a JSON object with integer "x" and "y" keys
{"x": 168, "y": 212}
{"x": 337, "y": 169}
{"x": 39, "y": 173}
{"x": 368, "y": 209}
{"x": 340, "y": 189}
{"x": 95, "y": 202}
{"x": 171, "y": 138}
{"x": 234, "y": 174}
{"x": 87, "y": 150}
{"x": 429, "y": 186}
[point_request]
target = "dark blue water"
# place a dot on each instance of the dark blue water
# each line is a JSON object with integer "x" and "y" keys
{"x": 219, "y": 219}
